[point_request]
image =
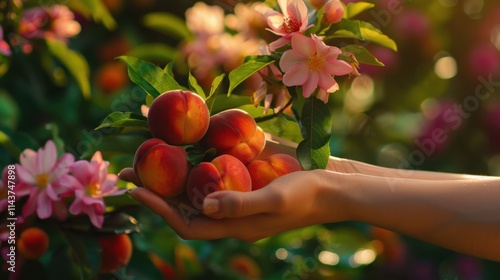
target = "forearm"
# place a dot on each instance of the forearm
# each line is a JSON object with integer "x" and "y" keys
{"x": 462, "y": 215}
{"x": 352, "y": 166}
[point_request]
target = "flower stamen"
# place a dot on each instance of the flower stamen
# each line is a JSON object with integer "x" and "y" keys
{"x": 315, "y": 63}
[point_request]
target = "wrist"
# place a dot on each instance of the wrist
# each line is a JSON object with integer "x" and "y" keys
{"x": 333, "y": 201}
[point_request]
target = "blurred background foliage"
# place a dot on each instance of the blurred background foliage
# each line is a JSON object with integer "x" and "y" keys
{"x": 434, "y": 106}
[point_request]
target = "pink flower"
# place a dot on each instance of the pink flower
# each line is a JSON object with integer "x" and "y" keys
{"x": 40, "y": 174}
{"x": 311, "y": 63}
{"x": 91, "y": 182}
{"x": 334, "y": 11}
{"x": 55, "y": 22}
{"x": 4, "y": 47}
{"x": 292, "y": 20}
{"x": 204, "y": 20}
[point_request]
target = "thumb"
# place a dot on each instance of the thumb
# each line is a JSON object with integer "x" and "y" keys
{"x": 233, "y": 204}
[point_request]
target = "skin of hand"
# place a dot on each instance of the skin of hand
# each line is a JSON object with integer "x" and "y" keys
{"x": 455, "y": 211}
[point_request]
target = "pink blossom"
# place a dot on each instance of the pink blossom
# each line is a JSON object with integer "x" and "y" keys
{"x": 4, "y": 47}
{"x": 204, "y": 20}
{"x": 40, "y": 174}
{"x": 292, "y": 20}
{"x": 334, "y": 11}
{"x": 91, "y": 182}
{"x": 311, "y": 63}
{"x": 55, "y": 22}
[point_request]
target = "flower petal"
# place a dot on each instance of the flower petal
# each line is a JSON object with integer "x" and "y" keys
{"x": 62, "y": 166}
{"x": 339, "y": 68}
{"x": 303, "y": 46}
{"x": 47, "y": 157}
{"x": 310, "y": 85}
{"x": 325, "y": 81}
{"x": 290, "y": 59}
{"x": 44, "y": 207}
{"x": 296, "y": 75}
{"x": 83, "y": 171}
{"x": 31, "y": 203}
{"x": 279, "y": 43}
{"x": 25, "y": 176}
{"x": 28, "y": 160}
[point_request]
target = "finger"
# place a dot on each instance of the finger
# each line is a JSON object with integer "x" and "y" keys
{"x": 128, "y": 174}
{"x": 232, "y": 204}
{"x": 183, "y": 219}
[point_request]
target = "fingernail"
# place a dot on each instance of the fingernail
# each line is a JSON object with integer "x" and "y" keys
{"x": 210, "y": 206}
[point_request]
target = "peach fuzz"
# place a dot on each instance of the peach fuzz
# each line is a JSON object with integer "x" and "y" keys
{"x": 161, "y": 168}
{"x": 33, "y": 243}
{"x": 116, "y": 251}
{"x": 234, "y": 132}
{"x": 178, "y": 117}
{"x": 225, "y": 172}
{"x": 264, "y": 171}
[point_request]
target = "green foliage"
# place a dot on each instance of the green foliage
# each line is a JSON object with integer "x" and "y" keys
{"x": 195, "y": 87}
{"x": 353, "y": 9}
{"x": 94, "y": 9}
{"x": 251, "y": 66}
{"x": 154, "y": 52}
{"x": 125, "y": 119}
{"x": 74, "y": 62}
{"x": 168, "y": 24}
{"x": 148, "y": 76}
{"x": 313, "y": 152}
{"x": 362, "y": 55}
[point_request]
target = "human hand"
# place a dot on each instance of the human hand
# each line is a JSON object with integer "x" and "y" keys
{"x": 291, "y": 201}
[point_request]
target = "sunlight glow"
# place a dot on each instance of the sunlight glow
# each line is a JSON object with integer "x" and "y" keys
{"x": 328, "y": 258}
{"x": 446, "y": 67}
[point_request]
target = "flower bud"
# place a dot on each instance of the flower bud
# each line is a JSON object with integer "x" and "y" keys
{"x": 334, "y": 11}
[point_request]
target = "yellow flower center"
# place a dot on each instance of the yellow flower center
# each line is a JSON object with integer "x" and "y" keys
{"x": 315, "y": 63}
{"x": 290, "y": 25}
{"x": 42, "y": 180}
{"x": 94, "y": 189}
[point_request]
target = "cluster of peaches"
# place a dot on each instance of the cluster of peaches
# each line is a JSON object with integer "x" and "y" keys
{"x": 230, "y": 140}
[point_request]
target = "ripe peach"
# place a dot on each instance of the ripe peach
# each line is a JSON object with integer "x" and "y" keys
{"x": 225, "y": 172}
{"x": 178, "y": 117}
{"x": 234, "y": 132}
{"x": 266, "y": 170}
{"x": 33, "y": 243}
{"x": 162, "y": 168}
{"x": 116, "y": 251}
{"x": 111, "y": 77}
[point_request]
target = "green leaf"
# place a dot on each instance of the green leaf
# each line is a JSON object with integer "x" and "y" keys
{"x": 150, "y": 77}
{"x": 168, "y": 24}
{"x": 251, "y": 65}
{"x": 214, "y": 88}
{"x": 373, "y": 34}
{"x": 346, "y": 28}
{"x": 355, "y": 8}
{"x": 362, "y": 55}
{"x": 74, "y": 62}
{"x": 194, "y": 86}
{"x": 154, "y": 51}
{"x": 195, "y": 155}
{"x": 111, "y": 145}
{"x": 94, "y": 9}
{"x": 124, "y": 119}
{"x": 313, "y": 152}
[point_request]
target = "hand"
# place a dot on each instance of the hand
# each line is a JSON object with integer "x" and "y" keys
{"x": 291, "y": 201}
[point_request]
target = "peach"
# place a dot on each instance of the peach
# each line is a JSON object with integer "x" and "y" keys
{"x": 161, "y": 168}
{"x": 33, "y": 243}
{"x": 234, "y": 132}
{"x": 225, "y": 172}
{"x": 178, "y": 117}
{"x": 116, "y": 251}
{"x": 264, "y": 171}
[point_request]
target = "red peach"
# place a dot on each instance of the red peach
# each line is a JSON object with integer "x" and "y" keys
{"x": 266, "y": 170}
{"x": 161, "y": 168}
{"x": 111, "y": 77}
{"x": 116, "y": 251}
{"x": 234, "y": 132}
{"x": 33, "y": 243}
{"x": 178, "y": 117}
{"x": 225, "y": 172}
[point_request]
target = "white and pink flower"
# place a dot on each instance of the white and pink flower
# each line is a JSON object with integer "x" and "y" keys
{"x": 40, "y": 174}
{"x": 293, "y": 19}
{"x": 91, "y": 183}
{"x": 312, "y": 64}
{"x": 4, "y": 47}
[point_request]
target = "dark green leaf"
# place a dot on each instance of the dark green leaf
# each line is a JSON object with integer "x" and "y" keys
{"x": 150, "y": 77}
{"x": 194, "y": 86}
{"x": 124, "y": 119}
{"x": 168, "y": 24}
{"x": 114, "y": 223}
{"x": 74, "y": 62}
{"x": 362, "y": 55}
{"x": 154, "y": 51}
{"x": 111, "y": 145}
{"x": 7, "y": 143}
{"x": 313, "y": 152}
{"x": 251, "y": 66}
{"x": 94, "y": 9}
{"x": 373, "y": 34}
{"x": 196, "y": 155}
{"x": 354, "y": 8}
